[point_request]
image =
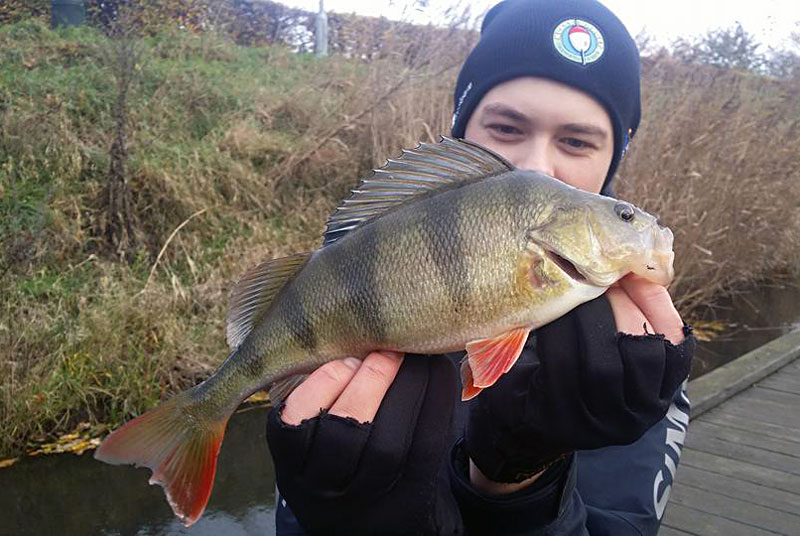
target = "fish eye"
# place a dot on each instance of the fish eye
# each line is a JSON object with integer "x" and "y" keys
{"x": 624, "y": 211}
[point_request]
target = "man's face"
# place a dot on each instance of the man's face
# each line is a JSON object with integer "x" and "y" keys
{"x": 542, "y": 125}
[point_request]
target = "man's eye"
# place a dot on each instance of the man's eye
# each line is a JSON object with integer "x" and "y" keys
{"x": 505, "y": 129}
{"x": 577, "y": 143}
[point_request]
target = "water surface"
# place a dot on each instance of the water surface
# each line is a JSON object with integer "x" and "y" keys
{"x": 69, "y": 495}
{"x": 753, "y": 317}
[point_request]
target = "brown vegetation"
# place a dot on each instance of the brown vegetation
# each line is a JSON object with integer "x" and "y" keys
{"x": 716, "y": 158}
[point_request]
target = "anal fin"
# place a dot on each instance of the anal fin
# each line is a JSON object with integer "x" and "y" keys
{"x": 488, "y": 359}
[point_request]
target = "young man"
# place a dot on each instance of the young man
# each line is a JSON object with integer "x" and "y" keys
{"x": 553, "y": 85}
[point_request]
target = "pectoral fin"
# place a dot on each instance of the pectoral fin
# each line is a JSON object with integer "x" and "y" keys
{"x": 488, "y": 359}
{"x": 468, "y": 390}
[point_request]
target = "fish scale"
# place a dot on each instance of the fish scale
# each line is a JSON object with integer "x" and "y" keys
{"x": 446, "y": 248}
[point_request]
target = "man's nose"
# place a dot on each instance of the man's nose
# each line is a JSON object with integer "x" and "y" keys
{"x": 536, "y": 157}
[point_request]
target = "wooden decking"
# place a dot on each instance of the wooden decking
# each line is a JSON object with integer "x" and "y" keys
{"x": 740, "y": 469}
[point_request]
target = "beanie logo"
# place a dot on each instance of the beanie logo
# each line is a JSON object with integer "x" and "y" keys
{"x": 579, "y": 41}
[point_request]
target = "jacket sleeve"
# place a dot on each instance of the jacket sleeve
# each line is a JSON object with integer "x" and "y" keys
{"x": 286, "y": 523}
{"x": 551, "y": 506}
{"x": 625, "y": 489}
{"x": 610, "y": 491}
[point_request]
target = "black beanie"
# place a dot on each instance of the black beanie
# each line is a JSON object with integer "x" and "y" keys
{"x": 579, "y": 43}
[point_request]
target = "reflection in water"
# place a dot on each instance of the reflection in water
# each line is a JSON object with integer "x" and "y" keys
{"x": 756, "y": 316}
{"x": 77, "y": 495}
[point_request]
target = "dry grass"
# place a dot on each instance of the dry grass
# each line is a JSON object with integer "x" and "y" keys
{"x": 266, "y": 143}
{"x": 717, "y": 158}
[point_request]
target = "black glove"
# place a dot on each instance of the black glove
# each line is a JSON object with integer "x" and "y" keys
{"x": 387, "y": 477}
{"x": 577, "y": 385}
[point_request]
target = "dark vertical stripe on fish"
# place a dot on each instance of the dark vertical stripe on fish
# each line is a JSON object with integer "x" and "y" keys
{"x": 510, "y": 192}
{"x": 297, "y": 319}
{"x": 361, "y": 282}
{"x": 442, "y": 232}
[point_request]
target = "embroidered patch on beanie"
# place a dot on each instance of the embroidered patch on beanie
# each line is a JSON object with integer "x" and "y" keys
{"x": 579, "y": 41}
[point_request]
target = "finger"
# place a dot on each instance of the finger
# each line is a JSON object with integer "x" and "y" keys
{"x": 319, "y": 391}
{"x": 655, "y": 303}
{"x": 362, "y": 397}
{"x": 413, "y": 425}
{"x": 627, "y": 315}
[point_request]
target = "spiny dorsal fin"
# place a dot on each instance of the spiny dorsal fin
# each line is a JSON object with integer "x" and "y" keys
{"x": 417, "y": 172}
{"x": 252, "y": 295}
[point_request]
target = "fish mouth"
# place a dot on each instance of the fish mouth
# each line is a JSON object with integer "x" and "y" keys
{"x": 566, "y": 266}
{"x": 659, "y": 269}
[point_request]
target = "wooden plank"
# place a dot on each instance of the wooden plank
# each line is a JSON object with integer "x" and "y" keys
{"x": 735, "y": 420}
{"x": 786, "y": 385}
{"x": 741, "y": 470}
{"x": 739, "y": 489}
{"x": 764, "y": 411}
{"x": 793, "y": 366}
{"x": 669, "y": 531}
{"x": 785, "y": 379}
{"x": 786, "y": 374}
{"x": 693, "y": 521}
{"x": 744, "y": 453}
{"x": 787, "y": 400}
{"x": 745, "y": 437}
{"x": 736, "y": 510}
{"x": 722, "y": 383}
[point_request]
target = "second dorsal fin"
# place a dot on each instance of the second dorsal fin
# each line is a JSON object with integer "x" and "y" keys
{"x": 417, "y": 172}
{"x": 252, "y": 295}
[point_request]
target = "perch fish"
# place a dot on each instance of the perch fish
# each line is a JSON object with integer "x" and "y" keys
{"x": 446, "y": 248}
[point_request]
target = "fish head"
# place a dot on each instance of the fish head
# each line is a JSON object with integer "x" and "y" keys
{"x": 598, "y": 240}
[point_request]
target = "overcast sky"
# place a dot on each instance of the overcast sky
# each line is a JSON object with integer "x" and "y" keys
{"x": 772, "y": 21}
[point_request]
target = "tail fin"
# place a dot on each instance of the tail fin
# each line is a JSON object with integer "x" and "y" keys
{"x": 179, "y": 448}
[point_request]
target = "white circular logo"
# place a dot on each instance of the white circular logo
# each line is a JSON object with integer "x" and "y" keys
{"x": 579, "y": 41}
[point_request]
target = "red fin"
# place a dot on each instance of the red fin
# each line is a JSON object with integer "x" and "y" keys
{"x": 491, "y": 358}
{"x": 468, "y": 389}
{"x": 180, "y": 449}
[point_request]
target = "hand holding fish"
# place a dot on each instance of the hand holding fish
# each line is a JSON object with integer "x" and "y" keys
{"x": 342, "y": 475}
{"x": 346, "y": 388}
{"x": 637, "y": 302}
{"x": 580, "y": 384}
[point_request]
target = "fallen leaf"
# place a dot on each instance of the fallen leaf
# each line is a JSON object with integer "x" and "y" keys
{"x": 258, "y": 396}
{"x": 8, "y": 463}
